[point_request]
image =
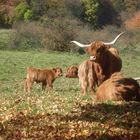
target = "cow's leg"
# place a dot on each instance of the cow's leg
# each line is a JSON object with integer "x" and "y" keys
{"x": 25, "y": 85}
{"x": 44, "y": 85}
{"x": 29, "y": 85}
{"x": 92, "y": 86}
{"x": 84, "y": 87}
{"x": 50, "y": 86}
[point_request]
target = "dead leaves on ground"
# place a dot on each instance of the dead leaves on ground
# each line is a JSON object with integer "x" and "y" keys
{"x": 90, "y": 121}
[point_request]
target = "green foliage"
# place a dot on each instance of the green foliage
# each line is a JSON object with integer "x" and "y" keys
{"x": 97, "y": 13}
{"x": 100, "y": 13}
{"x": 6, "y": 39}
{"x": 23, "y": 12}
{"x": 92, "y": 8}
{"x": 27, "y": 37}
{"x": 28, "y": 15}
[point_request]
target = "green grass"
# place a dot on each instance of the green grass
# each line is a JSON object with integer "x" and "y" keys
{"x": 13, "y": 71}
{"x": 65, "y": 109}
{"x": 6, "y": 38}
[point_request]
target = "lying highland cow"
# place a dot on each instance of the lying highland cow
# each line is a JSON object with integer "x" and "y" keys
{"x": 86, "y": 74}
{"x": 118, "y": 88}
{"x": 44, "y": 76}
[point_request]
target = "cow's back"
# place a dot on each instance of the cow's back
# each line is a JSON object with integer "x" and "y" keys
{"x": 118, "y": 88}
{"x": 35, "y": 74}
{"x": 106, "y": 91}
{"x": 116, "y": 60}
{"x": 32, "y": 73}
{"x": 41, "y": 76}
{"x": 113, "y": 62}
{"x": 86, "y": 72}
{"x": 83, "y": 71}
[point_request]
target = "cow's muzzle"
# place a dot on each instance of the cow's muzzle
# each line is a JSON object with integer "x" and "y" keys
{"x": 92, "y": 58}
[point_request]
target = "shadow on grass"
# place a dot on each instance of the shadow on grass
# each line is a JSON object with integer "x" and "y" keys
{"x": 103, "y": 121}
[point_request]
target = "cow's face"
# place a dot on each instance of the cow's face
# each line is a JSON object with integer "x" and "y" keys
{"x": 96, "y": 51}
{"x": 72, "y": 72}
{"x": 58, "y": 72}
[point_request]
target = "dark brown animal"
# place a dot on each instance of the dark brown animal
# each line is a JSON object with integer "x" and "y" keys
{"x": 86, "y": 74}
{"x": 44, "y": 76}
{"x": 107, "y": 59}
{"x": 118, "y": 88}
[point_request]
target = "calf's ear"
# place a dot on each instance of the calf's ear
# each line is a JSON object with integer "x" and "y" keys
{"x": 54, "y": 69}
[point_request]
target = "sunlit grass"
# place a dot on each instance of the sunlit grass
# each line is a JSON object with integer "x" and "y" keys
{"x": 71, "y": 112}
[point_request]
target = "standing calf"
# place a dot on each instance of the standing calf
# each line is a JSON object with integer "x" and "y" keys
{"x": 44, "y": 76}
{"x": 86, "y": 74}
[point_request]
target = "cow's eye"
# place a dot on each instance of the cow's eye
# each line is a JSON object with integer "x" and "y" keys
{"x": 98, "y": 51}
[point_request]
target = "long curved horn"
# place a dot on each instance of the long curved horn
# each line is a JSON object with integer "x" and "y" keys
{"x": 81, "y": 45}
{"x": 114, "y": 41}
{"x": 137, "y": 78}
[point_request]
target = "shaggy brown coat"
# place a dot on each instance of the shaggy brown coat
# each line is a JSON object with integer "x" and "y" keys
{"x": 118, "y": 88}
{"x": 44, "y": 76}
{"x": 106, "y": 58}
{"x": 86, "y": 74}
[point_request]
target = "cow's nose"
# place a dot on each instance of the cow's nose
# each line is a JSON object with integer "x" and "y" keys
{"x": 92, "y": 57}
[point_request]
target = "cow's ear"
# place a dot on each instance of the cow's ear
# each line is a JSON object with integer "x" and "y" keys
{"x": 54, "y": 69}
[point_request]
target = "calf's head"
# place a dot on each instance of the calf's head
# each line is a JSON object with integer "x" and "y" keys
{"x": 58, "y": 72}
{"x": 72, "y": 72}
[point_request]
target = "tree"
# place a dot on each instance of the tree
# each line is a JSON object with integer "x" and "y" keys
{"x": 23, "y": 12}
{"x": 100, "y": 12}
{"x": 38, "y": 8}
{"x": 7, "y": 12}
{"x": 92, "y": 8}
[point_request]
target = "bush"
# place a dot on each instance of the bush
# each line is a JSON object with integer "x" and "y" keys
{"x": 28, "y": 36}
{"x": 59, "y": 33}
{"x": 23, "y": 12}
{"x": 6, "y": 38}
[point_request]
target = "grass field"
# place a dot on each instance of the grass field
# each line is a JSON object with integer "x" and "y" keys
{"x": 64, "y": 113}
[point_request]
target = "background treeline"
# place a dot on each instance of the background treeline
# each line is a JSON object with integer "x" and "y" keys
{"x": 51, "y": 24}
